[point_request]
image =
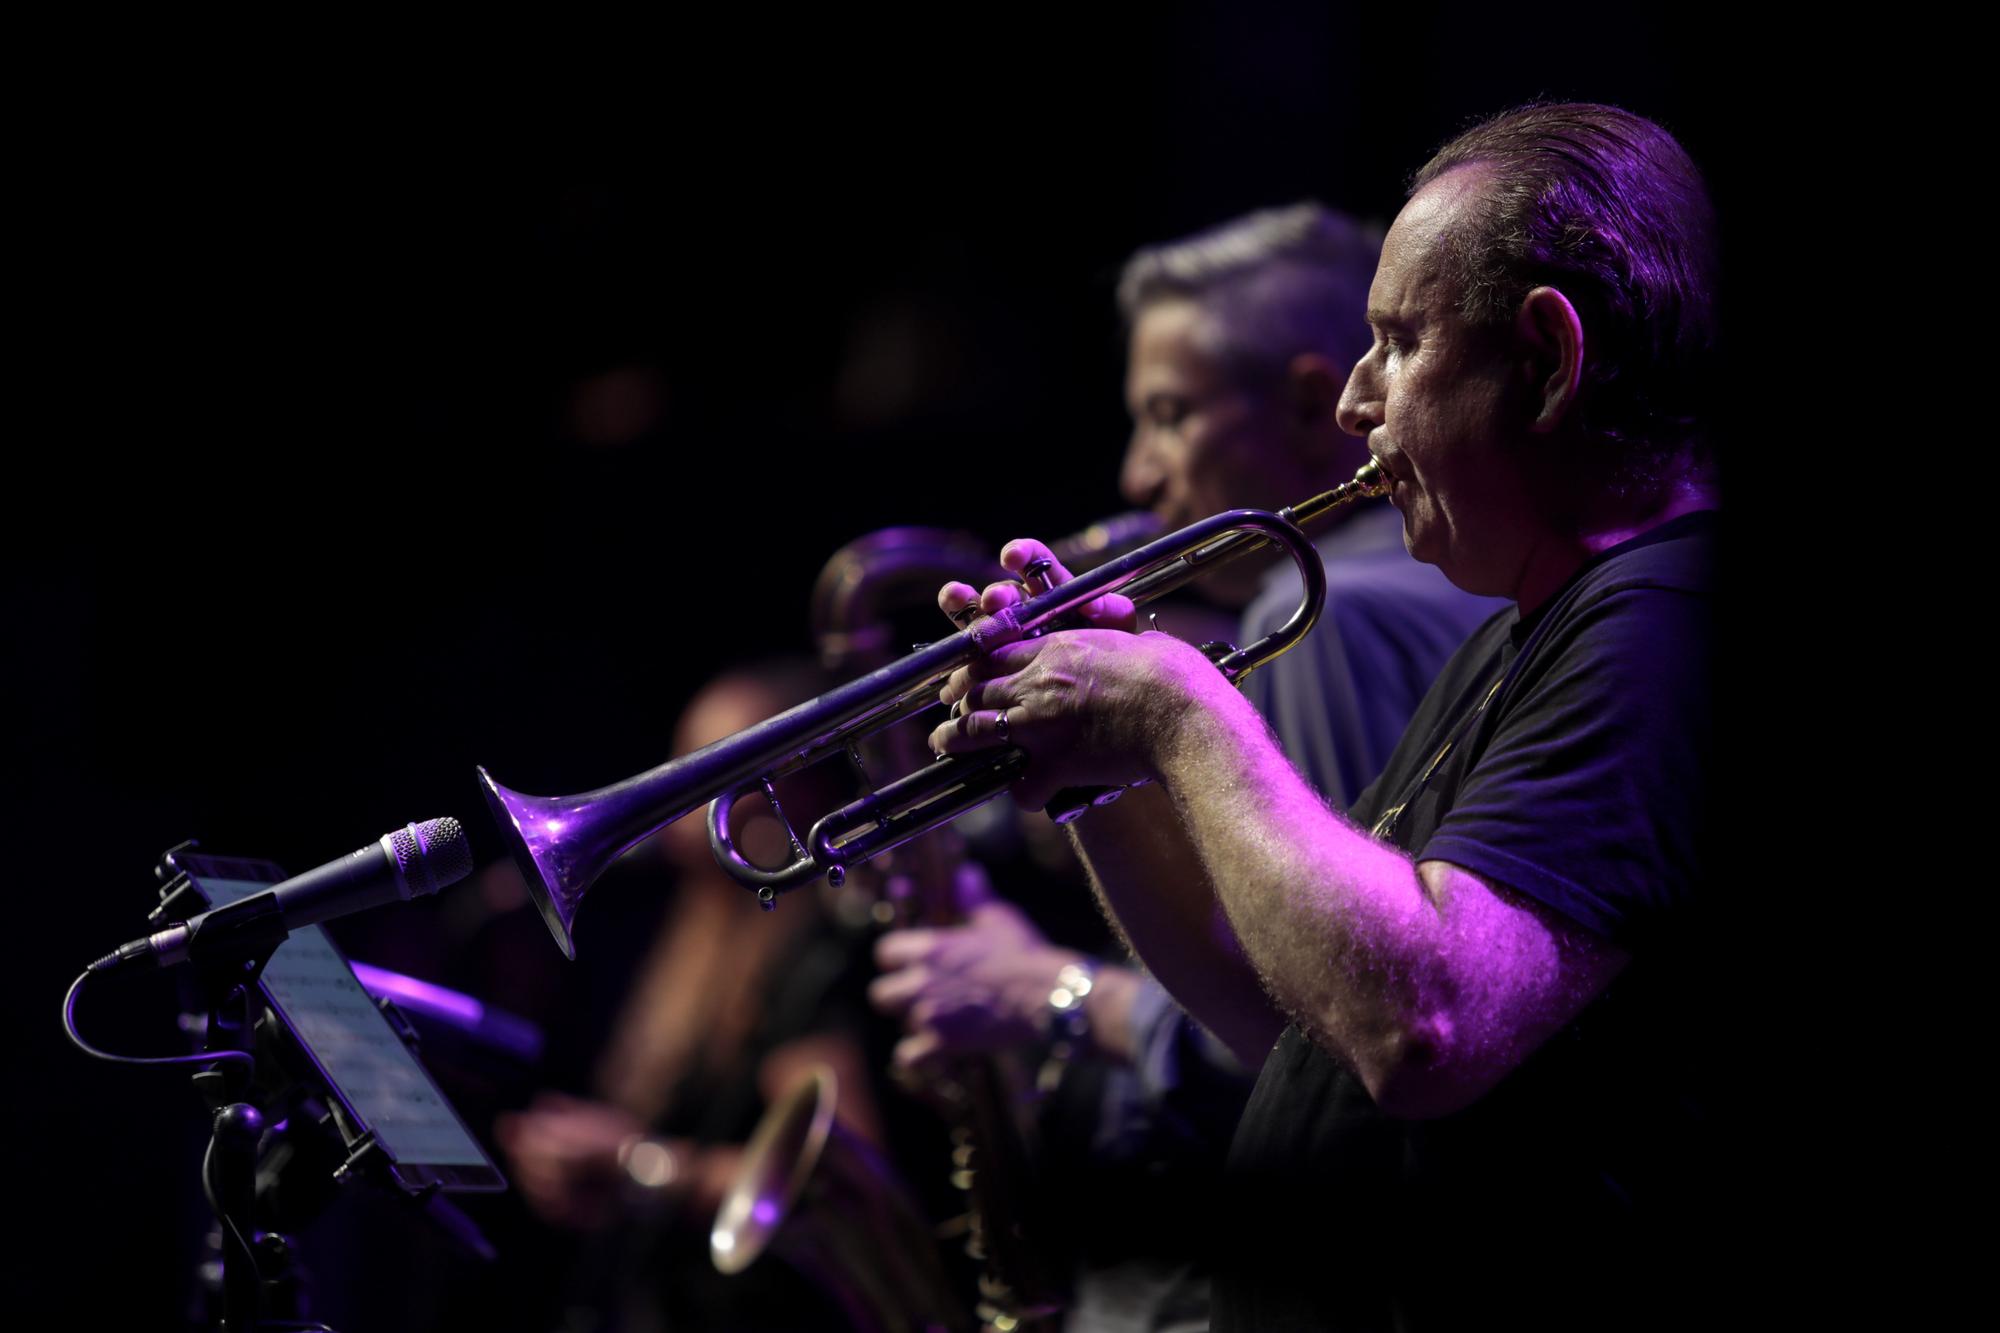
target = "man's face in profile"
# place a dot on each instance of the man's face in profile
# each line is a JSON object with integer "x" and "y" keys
{"x": 1200, "y": 441}
{"x": 1436, "y": 399}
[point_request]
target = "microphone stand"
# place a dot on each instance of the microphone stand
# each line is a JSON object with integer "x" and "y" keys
{"x": 262, "y": 1121}
{"x": 260, "y": 1277}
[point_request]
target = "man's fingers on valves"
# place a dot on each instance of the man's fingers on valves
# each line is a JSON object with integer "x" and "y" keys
{"x": 980, "y": 730}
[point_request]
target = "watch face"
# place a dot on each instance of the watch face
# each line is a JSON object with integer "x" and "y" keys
{"x": 1072, "y": 984}
{"x": 1067, "y": 1019}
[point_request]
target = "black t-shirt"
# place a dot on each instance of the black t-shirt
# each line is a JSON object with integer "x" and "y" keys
{"x": 1568, "y": 1196}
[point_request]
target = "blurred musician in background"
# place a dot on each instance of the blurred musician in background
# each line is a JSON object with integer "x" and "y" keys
{"x": 1239, "y": 342}
{"x": 731, "y": 1007}
{"x": 1477, "y": 1005}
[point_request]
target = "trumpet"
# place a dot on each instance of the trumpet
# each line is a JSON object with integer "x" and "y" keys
{"x": 563, "y": 843}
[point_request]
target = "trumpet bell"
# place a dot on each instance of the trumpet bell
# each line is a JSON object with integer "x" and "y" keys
{"x": 532, "y": 827}
{"x": 563, "y": 843}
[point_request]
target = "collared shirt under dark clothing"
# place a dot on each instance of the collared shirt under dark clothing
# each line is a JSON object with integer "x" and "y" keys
{"x": 1564, "y": 1197}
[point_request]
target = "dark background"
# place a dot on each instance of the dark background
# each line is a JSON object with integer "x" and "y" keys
{"x": 398, "y": 406}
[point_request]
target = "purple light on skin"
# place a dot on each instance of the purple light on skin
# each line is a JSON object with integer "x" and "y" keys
{"x": 764, "y": 1212}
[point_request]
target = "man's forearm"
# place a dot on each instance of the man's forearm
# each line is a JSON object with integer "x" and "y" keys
{"x": 1298, "y": 885}
{"x": 1426, "y": 980}
{"x": 1150, "y": 880}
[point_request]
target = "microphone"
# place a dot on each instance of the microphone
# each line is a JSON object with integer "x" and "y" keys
{"x": 414, "y": 860}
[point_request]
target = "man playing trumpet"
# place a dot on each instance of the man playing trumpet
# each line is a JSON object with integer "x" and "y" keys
{"x": 1239, "y": 342}
{"x": 1466, "y": 995}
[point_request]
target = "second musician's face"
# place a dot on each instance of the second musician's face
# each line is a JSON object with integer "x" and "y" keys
{"x": 1200, "y": 442}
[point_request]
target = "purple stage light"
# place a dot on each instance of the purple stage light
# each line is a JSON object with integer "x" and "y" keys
{"x": 493, "y": 1027}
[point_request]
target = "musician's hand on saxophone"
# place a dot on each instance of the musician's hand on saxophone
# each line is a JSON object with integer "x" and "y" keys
{"x": 971, "y": 989}
{"x": 1088, "y": 705}
{"x": 985, "y": 987}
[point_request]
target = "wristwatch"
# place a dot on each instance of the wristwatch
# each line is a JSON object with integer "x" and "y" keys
{"x": 1069, "y": 1024}
{"x": 1068, "y": 1021}
{"x": 650, "y": 1169}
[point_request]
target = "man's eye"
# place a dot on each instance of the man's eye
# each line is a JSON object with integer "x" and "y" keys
{"x": 1167, "y": 412}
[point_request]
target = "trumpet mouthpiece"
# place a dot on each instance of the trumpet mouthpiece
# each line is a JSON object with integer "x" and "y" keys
{"x": 1367, "y": 483}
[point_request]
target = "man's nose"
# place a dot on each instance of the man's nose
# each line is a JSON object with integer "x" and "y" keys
{"x": 1360, "y": 409}
{"x": 1140, "y": 477}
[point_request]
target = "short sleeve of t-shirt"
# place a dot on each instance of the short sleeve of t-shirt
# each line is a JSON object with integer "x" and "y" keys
{"x": 1587, "y": 793}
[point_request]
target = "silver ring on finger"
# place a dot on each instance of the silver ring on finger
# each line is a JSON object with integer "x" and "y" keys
{"x": 1000, "y": 725}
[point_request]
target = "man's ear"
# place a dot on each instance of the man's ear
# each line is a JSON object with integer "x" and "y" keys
{"x": 1313, "y": 386}
{"x": 1552, "y": 337}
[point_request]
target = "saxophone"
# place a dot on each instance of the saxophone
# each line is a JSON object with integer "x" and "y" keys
{"x": 823, "y": 1199}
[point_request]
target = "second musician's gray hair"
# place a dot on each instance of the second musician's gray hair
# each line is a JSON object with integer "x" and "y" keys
{"x": 1271, "y": 285}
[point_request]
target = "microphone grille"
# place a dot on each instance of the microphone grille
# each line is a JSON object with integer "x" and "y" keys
{"x": 437, "y": 852}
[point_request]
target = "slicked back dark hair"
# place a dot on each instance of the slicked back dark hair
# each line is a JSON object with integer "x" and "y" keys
{"x": 1607, "y": 208}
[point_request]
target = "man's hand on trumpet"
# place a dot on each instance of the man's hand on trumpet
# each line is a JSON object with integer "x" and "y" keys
{"x": 1090, "y": 706}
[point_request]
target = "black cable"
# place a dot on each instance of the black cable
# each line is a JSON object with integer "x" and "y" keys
{"x": 76, "y": 1039}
